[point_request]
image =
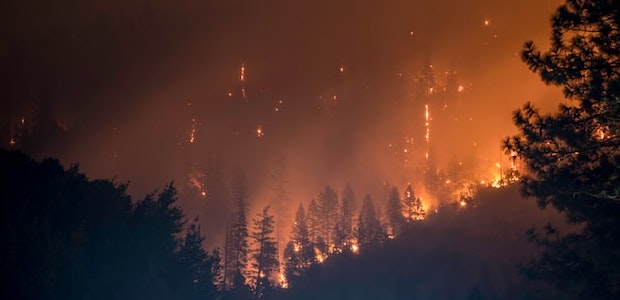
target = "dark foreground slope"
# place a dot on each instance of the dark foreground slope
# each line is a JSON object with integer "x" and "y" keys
{"x": 466, "y": 253}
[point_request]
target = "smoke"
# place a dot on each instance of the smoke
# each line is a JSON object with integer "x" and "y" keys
{"x": 330, "y": 84}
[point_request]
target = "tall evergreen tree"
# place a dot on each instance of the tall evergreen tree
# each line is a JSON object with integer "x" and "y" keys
{"x": 198, "y": 269}
{"x": 328, "y": 208}
{"x": 369, "y": 229}
{"x": 348, "y": 208}
{"x": 572, "y": 156}
{"x": 394, "y": 212}
{"x": 281, "y": 200}
{"x": 265, "y": 256}
{"x": 414, "y": 210}
{"x": 236, "y": 255}
{"x": 299, "y": 252}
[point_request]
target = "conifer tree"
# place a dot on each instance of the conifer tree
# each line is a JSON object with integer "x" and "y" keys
{"x": 394, "y": 212}
{"x": 265, "y": 255}
{"x": 572, "y": 156}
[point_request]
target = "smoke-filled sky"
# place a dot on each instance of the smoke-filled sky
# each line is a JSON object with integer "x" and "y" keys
{"x": 149, "y": 91}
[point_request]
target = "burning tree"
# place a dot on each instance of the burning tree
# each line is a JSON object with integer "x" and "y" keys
{"x": 572, "y": 156}
{"x": 413, "y": 206}
{"x": 299, "y": 252}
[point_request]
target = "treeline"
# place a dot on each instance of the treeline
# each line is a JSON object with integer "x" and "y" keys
{"x": 332, "y": 224}
{"x": 456, "y": 253}
{"x": 67, "y": 237}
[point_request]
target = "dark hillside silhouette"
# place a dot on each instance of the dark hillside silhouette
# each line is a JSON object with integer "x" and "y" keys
{"x": 470, "y": 253}
{"x": 68, "y": 237}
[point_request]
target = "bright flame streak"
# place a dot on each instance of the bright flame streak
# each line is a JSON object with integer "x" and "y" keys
{"x": 355, "y": 248}
{"x": 283, "y": 282}
{"x": 192, "y": 134}
{"x": 487, "y": 22}
{"x": 341, "y": 69}
{"x": 319, "y": 256}
{"x": 428, "y": 128}
{"x": 463, "y": 203}
{"x": 242, "y": 75}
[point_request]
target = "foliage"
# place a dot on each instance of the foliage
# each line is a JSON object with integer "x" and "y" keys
{"x": 394, "y": 212}
{"x": 67, "y": 237}
{"x": 572, "y": 156}
{"x": 265, "y": 255}
{"x": 299, "y": 252}
{"x": 369, "y": 229}
{"x": 236, "y": 244}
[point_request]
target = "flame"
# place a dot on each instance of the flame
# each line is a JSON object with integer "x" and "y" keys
{"x": 259, "y": 132}
{"x": 319, "y": 256}
{"x": 282, "y": 280}
{"x": 192, "y": 134}
{"x": 355, "y": 248}
{"x": 242, "y": 74}
{"x": 427, "y": 137}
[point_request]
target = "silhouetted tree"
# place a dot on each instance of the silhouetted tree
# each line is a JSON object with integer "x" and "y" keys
{"x": 236, "y": 244}
{"x": 327, "y": 203}
{"x": 265, "y": 256}
{"x": 66, "y": 237}
{"x": 198, "y": 269}
{"x": 572, "y": 156}
{"x": 369, "y": 230}
{"x": 413, "y": 205}
{"x": 348, "y": 208}
{"x": 300, "y": 250}
{"x": 394, "y": 212}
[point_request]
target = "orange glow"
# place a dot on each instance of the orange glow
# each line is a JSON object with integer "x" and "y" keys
{"x": 192, "y": 134}
{"x": 355, "y": 248}
{"x": 242, "y": 74}
{"x": 259, "y": 132}
{"x": 282, "y": 280}
{"x": 320, "y": 257}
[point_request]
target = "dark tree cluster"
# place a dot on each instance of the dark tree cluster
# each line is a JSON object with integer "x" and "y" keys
{"x": 452, "y": 254}
{"x": 67, "y": 237}
{"x": 572, "y": 156}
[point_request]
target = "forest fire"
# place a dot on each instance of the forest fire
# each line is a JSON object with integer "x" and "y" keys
{"x": 385, "y": 118}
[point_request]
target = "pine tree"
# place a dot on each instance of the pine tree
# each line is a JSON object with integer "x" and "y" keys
{"x": 347, "y": 211}
{"x": 414, "y": 210}
{"x": 328, "y": 208}
{"x": 299, "y": 252}
{"x": 198, "y": 269}
{"x": 265, "y": 256}
{"x": 572, "y": 156}
{"x": 237, "y": 235}
{"x": 369, "y": 229}
{"x": 280, "y": 200}
{"x": 394, "y": 212}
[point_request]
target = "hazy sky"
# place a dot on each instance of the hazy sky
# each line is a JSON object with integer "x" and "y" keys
{"x": 150, "y": 91}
